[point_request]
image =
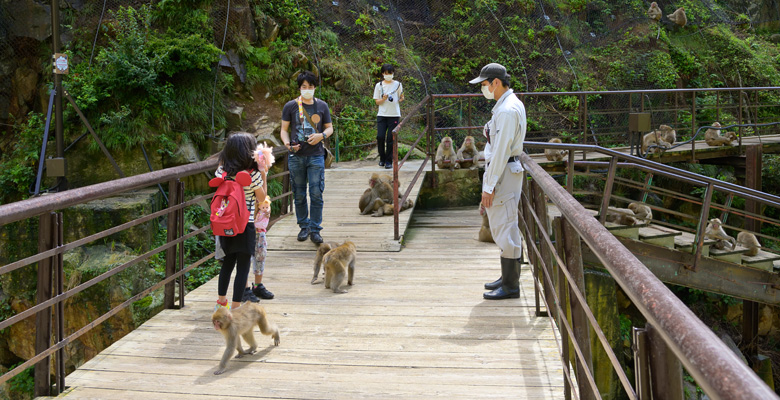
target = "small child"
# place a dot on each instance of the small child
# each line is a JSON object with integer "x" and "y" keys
{"x": 258, "y": 263}
{"x": 264, "y": 158}
{"x": 237, "y": 156}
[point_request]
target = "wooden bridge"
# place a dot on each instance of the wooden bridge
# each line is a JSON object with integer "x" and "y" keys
{"x": 414, "y": 325}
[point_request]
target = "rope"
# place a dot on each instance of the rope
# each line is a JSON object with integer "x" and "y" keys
{"x": 97, "y": 31}
{"x": 216, "y": 70}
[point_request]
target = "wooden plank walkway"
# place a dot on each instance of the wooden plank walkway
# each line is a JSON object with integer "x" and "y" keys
{"x": 414, "y": 326}
{"x": 344, "y": 184}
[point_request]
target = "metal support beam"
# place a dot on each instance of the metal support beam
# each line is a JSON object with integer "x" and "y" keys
{"x": 641, "y": 364}
{"x": 47, "y": 232}
{"x": 170, "y": 254}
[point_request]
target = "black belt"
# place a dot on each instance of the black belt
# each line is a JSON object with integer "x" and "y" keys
{"x": 509, "y": 160}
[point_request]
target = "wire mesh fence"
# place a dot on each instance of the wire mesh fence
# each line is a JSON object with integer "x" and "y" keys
{"x": 436, "y": 46}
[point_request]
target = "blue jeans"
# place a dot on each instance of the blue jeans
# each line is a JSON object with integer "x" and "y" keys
{"x": 307, "y": 170}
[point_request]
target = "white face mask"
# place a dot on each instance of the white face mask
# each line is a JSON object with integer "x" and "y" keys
{"x": 307, "y": 93}
{"x": 388, "y": 77}
{"x": 487, "y": 93}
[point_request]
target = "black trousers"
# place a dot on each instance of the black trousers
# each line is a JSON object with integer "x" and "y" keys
{"x": 384, "y": 137}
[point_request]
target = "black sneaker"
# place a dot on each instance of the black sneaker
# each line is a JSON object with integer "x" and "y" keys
{"x": 316, "y": 238}
{"x": 249, "y": 296}
{"x": 303, "y": 234}
{"x": 381, "y": 163}
{"x": 262, "y": 292}
{"x": 388, "y": 165}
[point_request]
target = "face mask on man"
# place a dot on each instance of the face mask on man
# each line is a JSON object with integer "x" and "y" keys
{"x": 307, "y": 93}
{"x": 388, "y": 77}
{"x": 487, "y": 93}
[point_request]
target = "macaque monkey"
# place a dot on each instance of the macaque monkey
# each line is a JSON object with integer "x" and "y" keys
{"x": 622, "y": 216}
{"x": 715, "y": 231}
{"x": 378, "y": 193}
{"x": 663, "y": 137}
{"x": 321, "y": 251}
{"x": 714, "y": 138}
{"x": 641, "y": 211}
{"x": 654, "y": 12}
{"x": 555, "y": 154}
{"x": 468, "y": 150}
{"x": 339, "y": 263}
{"x": 446, "y": 153}
{"x": 387, "y": 209}
{"x": 484, "y": 231}
{"x": 480, "y": 160}
{"x": 239, "y": 324}
{"x": 678, "y": 17}
{"x": 747, "y": 239}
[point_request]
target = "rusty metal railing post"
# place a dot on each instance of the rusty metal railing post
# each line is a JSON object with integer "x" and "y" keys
{"x": 540, "y": 206}
{"x": 573, "y": 255}
{"x": 180, "y": 227}
{"x": 59, "y": 314}
{"x": 530, "y": 239}
{"x": 170, "y": 253}
{"x": 693, "y": 126}
{"x": 570, "y": 173}
{"x": 703, "y": 217}
{"x": 431, "y": 139}
{"x": 665, "y": 369}
{"x": 47, "y": 239}
{"x": 739, "y": 116}
{"x": 608, "y": 190}
{"x": 396, "y": 206}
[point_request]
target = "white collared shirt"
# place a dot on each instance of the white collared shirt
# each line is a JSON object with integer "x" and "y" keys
{"x": 507, "y": 133}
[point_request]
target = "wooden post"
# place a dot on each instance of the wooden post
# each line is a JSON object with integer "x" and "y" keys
{"x": 180, "y": 233}
{"x": 47, "y": 226}
{"x": 59, "y": 314}
{"x": 573, "y": 255}
{"x": 641, "y": 364}
{"x": 665, "y": 368}
{"x": 561, "y": 289}
{"x": 753, "y": 165}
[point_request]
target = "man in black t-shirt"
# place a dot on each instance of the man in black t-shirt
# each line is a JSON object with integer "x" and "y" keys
{"x": 306, "y": 123}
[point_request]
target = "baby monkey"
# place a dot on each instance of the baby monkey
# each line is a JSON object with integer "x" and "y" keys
{"x": 240, "y": 323}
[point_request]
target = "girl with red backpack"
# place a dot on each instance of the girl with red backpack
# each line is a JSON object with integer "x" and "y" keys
{"x": 237, "y": 163}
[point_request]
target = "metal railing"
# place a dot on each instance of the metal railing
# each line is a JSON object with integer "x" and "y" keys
{"x": 559, "y": 277}
{"x": 50, "y": 296}
{"x": 602, "y": 117}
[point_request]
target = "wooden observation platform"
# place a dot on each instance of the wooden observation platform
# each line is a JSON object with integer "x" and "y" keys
{"x": 413, "y": 326}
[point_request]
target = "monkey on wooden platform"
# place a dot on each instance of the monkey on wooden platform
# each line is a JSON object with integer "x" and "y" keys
{"x": 484, "y": 231}
{"x": 622, "y": 216}
{"x": 715, "y": 231}
{"x": 555, "y": 154}
{"x": 714, "y": 138}
{"x": 641, "y": 211}
{"x": 749, "y": 240}
{"x": 239, "y": 324}
{"x": 379, "y": 192}
{"x": 468, "y": 150}
{"x": 446, "y": 157}
{"x": 663, "y": 138}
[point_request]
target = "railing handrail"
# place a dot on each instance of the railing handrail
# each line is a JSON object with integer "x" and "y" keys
{"x": 32, "y": 207}
{"x": 634, "y": 91}
{"x": 662, "y": 168}
{"x": 719, "y": 372}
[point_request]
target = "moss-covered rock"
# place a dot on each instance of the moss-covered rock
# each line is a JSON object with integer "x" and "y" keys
{"x": 461, "y": 187}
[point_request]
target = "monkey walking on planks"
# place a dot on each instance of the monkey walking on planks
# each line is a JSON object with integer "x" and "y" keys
{"x": 239, "y": 324}
{"x": 338, "y": 262}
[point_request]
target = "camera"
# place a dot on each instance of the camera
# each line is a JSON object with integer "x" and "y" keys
{"x": 390, "y": 98}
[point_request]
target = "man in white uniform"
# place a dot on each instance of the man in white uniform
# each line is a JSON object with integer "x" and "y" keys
{"x": 503, "y": 179}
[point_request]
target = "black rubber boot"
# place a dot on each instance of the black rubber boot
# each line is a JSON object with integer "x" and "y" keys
{"x": 510, "y": 288}
{"x": 494, "y": 285}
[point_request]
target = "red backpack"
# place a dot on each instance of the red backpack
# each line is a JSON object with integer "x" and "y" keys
{"x": 229, "y": 214}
